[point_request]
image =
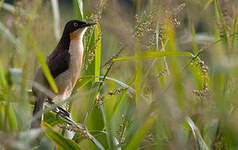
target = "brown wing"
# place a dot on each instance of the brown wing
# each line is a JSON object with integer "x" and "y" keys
{"x": 58, "y": 62}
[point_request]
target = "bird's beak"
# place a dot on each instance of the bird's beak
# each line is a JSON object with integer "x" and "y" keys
{"x": 89, "y": 24}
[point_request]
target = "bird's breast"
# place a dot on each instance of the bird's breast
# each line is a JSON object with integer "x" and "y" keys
{"x": 67, "y": 80}
{"x": 76, "y": 58}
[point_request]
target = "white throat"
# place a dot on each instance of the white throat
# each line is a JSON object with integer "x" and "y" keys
{"x": 76, "y": 53}
{"x": 76, "y": 42}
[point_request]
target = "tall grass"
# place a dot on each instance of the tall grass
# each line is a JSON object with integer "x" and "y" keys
{"x": 156, "y": 75}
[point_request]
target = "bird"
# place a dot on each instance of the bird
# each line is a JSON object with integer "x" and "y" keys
{"x": 65, "y": 64}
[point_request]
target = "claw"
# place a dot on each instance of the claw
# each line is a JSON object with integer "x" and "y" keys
{"x": 64, "y": 112}
{"x": 60, "y": 111}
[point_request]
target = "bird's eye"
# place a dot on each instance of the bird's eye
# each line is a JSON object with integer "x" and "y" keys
{"x": 76, "y": 24}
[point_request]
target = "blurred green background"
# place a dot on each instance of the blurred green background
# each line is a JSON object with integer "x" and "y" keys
{"x": 157, "y": 74}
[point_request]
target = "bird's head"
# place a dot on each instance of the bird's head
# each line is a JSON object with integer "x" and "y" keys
{"x": 76, "y": 29}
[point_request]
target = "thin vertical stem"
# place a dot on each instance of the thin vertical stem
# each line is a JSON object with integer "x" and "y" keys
{"x": 56, "y": 15}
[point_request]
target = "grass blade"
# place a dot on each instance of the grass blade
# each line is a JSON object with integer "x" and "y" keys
{"x": 80, "y": 4}
{"x": 195, "y": 48}
{"x": 138, "y": 71}
{"x": 140, "y": 134}
{"x": 196, "y": 133}
{"x": 12, "y": 120}
{"x": 3, "y": 81}
{"x": 78, "y": 9}
{"x": 221, "y": 20}
{"x": 153, "y": 54}
{"x": 83, "y": 81}
{"x": 51, "y": 119}
{"x": 56, "y": 15}
{"x": 46, "y": 71}
{"x": 109, "y": 135}
{"x": 207, "y": 4}
{"x": 97, "y": 37}
{"x": 1, "y": 2}
{"x": 61, "y": 142}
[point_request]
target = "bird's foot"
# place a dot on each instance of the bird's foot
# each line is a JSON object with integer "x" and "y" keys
{"x": 62, "y": 112}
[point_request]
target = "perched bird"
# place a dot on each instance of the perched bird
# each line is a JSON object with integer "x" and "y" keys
{"x": 65, "y": 63}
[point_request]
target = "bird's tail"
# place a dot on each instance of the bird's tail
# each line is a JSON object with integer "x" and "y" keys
{"x": 36, "y": 122}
